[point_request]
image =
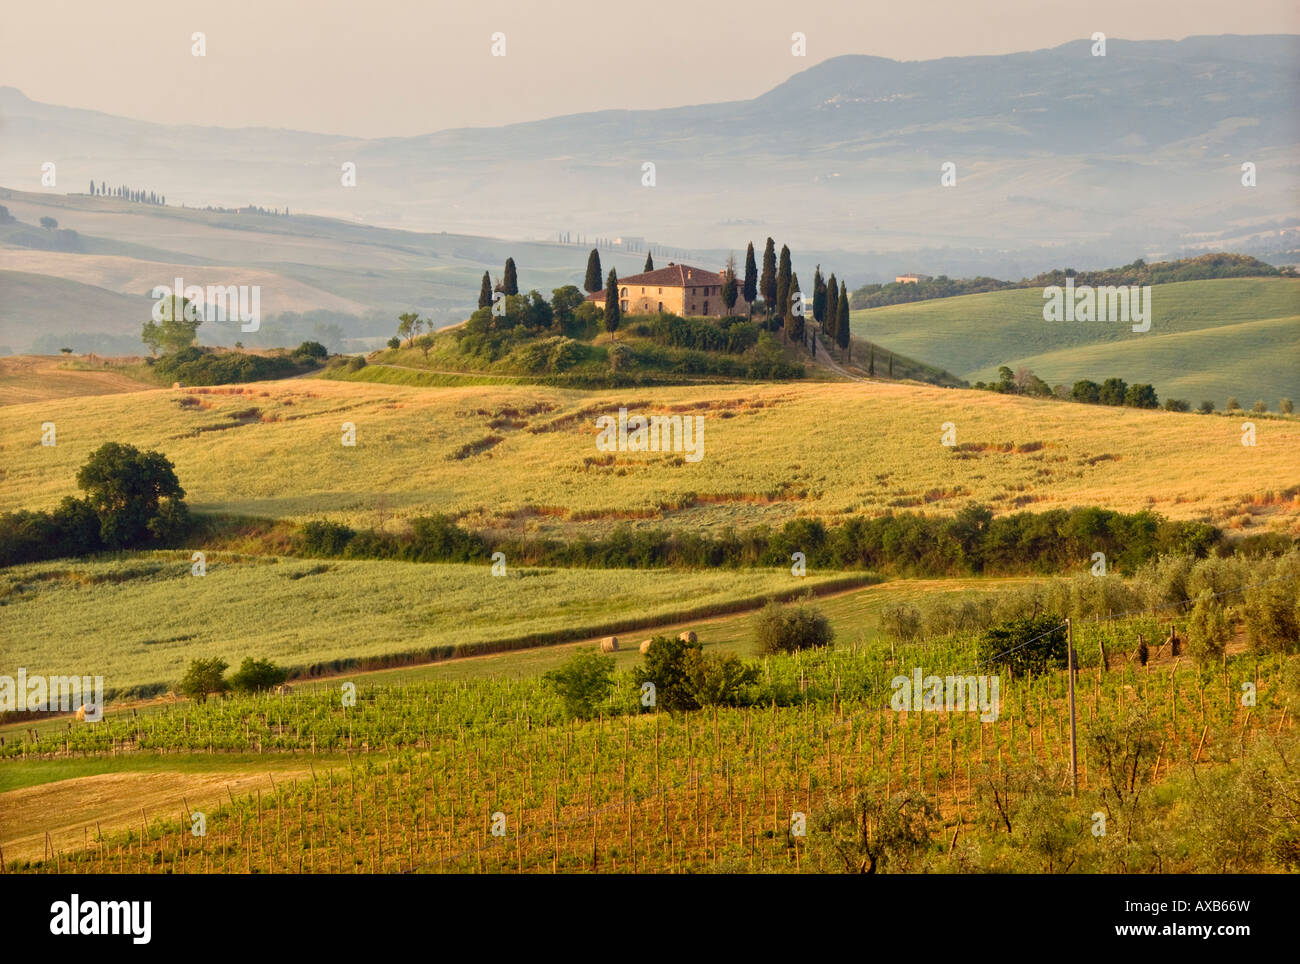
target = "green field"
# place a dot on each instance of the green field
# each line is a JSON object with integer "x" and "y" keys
{"x": 1208, "y": 339}
{"x": 138, "y": 622}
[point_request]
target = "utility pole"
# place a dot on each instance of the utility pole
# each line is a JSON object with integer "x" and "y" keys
{"x": 1074, "y": 750}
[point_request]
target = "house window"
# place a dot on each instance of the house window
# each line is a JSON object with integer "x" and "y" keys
{"x": 643, "y": 291}
{"x": 624, "y": 292}
{"x": 661, "y": 290}
{"x": 661, "y": 306}
{"x": 623, "y": 306}
{"x": 706, "y": 307}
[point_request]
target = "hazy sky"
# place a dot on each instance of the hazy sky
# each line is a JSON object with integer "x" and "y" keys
{"x": 399, "y": 67}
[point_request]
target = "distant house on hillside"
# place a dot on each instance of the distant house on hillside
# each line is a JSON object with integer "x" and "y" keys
{"x": 678, "y": 288}
{"x": 910, "y": 279}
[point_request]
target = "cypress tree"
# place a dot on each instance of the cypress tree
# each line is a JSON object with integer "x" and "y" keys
{"x": 819, "y": 295}
{"x": 592, "y": 284}
{"x": 783, "y": 285}
{"x": 649, "y": 262}
{"x": 891, "y": 364}
{"x": 768, "y": 280}
{"x": 871, "y": 360}
{"x": 750, "y": 290}
{"x": 729, "y": 287}
{"x": 92, "y": 188}
{"x": 832, "y": 308}
{"x": 509, "y": 280}
{"x": 795, "y": 320}
{"x": 842, "y": 307}
{"x": 612, "y": 313}
{"x": 485, "y": 292}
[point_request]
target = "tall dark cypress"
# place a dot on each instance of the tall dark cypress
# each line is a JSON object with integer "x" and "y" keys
{"x": 794, "y": 320}
{"x": 750, "y": 289}
{"x": 510, "y": 280}
{"x": 783, "y": 272}
{"x": 485, "y": 292}
{"x": 842, "y": 307}
{"x": 832, "y": 308}
{"x": 612, "y": 313}
{"x": 649, "y": 262}
{"x": 768, "y": 280}
{"x": 592, "y": 283}
{"x": 819, "y": 296}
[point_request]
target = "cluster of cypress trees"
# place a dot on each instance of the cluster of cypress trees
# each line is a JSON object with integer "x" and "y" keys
{"x": 131, "y": 194}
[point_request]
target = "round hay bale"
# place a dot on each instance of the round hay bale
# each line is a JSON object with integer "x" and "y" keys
{"x": 81, "y": 713}
{"x": 645, "y": 646}
{"x": 688, "y": 636}
{"x": 609, "y": 644}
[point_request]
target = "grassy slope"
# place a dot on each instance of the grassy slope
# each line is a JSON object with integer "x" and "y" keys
{"x": 140, "y": 622}
{"x": 972, "y": 335}
{"x": 771, "y": 453}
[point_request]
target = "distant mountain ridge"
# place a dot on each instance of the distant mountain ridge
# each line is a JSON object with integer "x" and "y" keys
{"x": 1053, "y": 149}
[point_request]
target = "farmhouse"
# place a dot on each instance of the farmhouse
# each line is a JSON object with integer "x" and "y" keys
{"x": 910, "y": 279}
{"x": 678, "y": 288}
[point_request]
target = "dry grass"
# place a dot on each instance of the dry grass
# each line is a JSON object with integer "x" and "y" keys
{"x": 771, "y": 453}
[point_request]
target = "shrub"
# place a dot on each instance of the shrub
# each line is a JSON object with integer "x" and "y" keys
{"x": 719, "y": 680}
{"x": 583, "y": 682}
{"x": 1177, "y": 405}
{"x": 257, "y": 674}
{"x": 394, "y": 342}
{"x": 901, "y": 621}
{"x": 668, "y": 664}
{"x": 1206, "y": 407}
{"x": 356, "y": 363}
{"x": 1260, "y": 406}
{"x": 1208, "y": 631}
{"x": 1285, "y": 407}
{"x": 1232, "y": 404}
{"x": 1271, "y": 618}
{"x": 203, "y": 677}
{"x": 324, "y": 538}
{"x": 786, "y": 629}
{"x": 874, "y": 833}
{"x": 1027, "y": 646}
{"x": 313, "y": 350}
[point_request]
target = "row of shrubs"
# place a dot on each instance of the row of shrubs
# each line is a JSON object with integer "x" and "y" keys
{"x": 683, "y": 677}
{"x": 972, "y": 542}
{"x": 208, "y": 366}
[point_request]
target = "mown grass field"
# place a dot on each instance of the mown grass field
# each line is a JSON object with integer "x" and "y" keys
{"x": 1208, "y": 339}
{"x": 138, "y": 622}
{"x": 524, "y": 458}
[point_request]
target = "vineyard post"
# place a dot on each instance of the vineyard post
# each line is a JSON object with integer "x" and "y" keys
{"x": 1074, "y": 754}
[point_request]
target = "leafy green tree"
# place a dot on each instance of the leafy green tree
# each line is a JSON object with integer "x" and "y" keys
{"x": 1112, "y": 391}
{"x": 177, "y": 329}
{"x": 1208, "y": 631}
{"x": 254, "y": 675}
{"x": 509, "y": 280}
{"x": 768, "y": 280}
{"x": 1028, "y": 646}
{"x": 1260, "y": 406}
{"x": 788, "y": 628}
{"x": 406, "y": 327}
{"x": 1231, "y": 405}
{"x": 783, "y": 272}
{"x": 485, "y": 291}
{"x": 394, "y": 342}
{"x": 718, "y": 679}
{"x": 842, "y": 307}
{"x": 1285, "y": 406}
{"x": 203, "y": 677}
{"x": 750, "y": 289}
{"x": 592, "y": 282}
{"x": 1272, "y": 617}
{"x": 135, "y": 494}
{"x": 1206, "y": 407}
{"x": 1086, "y": 391}
{"x": 873, "y": 833}
{"x": 649, "y": 262}
{"x": 613, "y": 313}
{"x": 668, "y": 665}
{"x": 583, "y": 683}
{"x": 1141, "y": 396}
{"x": 565, "y": 301}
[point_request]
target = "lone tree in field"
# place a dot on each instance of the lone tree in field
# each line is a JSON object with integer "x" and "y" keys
{"x": 485, "y": 291}
{"x": 177, "y": 328}
{"x": 649, "y": 262}
{"x": 730, "y": 288}
{"x": 750, "y": 289}
{"x": 832, "y": 307}
{"x": 509, "y": 280}
{"x": 406, "y": 327}
{"x": 842, "y": 326}
{"x": 768, "y": 280}
{"x": 203, "y": 677}
{"x": 592, "y": 282}
{"x": 583, "y": 683}
{"x": 135, "y": 494}
{"x": 612, "y": 313}
{"x": 783, "y": 273}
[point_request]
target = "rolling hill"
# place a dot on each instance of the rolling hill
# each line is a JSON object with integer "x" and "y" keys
{"x": 1208, "y": 340}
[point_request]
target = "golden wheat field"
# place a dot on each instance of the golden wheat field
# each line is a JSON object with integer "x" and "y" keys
{"x": 524, "y": 458}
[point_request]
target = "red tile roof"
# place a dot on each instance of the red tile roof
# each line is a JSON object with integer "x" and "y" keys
{"x": 672, "y": 276}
